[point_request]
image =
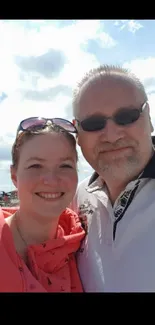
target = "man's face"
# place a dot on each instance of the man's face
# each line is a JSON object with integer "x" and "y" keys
{"x": 115, "y": 151}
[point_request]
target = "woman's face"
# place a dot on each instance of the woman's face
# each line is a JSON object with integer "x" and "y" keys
{"x": 46, "y": 176}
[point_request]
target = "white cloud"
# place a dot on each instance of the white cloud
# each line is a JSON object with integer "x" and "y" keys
{"x": 15, "y": 40}
{"x": 131, "y": 25}
{"x": 144, "y": 69}
{"x": 5, "y": 164}
{"x": 14, "y": 110}
{"x": 106, "y": 41}
{"x": 22, "y": 41}
{"x": 34, "y": 40}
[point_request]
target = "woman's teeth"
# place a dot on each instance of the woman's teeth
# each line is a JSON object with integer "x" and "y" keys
{"x": 50, "y": 195}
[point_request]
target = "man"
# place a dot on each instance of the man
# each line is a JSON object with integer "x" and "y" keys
{"x": 117, "y": 204}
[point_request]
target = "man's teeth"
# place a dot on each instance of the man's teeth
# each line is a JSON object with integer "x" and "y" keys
{"x": 50, "y": 195}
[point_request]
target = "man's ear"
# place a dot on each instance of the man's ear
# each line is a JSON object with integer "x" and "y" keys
{"x": 13, "y": 172}
{"x": 152, "y": 128}
{"x": 77, "y": 137}
{"x": 78, "y": 141}
{"x": 151, "y": 125}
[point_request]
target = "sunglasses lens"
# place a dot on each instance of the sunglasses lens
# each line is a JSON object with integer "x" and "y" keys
{"x": 127, "y": 116}
{"x": 93, "y": 124}
{"x": 33, "y": 122}
{"x": 67, "y": 125}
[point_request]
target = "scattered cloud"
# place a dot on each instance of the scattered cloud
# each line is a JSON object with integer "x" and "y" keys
{"x": 5, "y": 151}
{"x": 42, "y": 60}
{"x": 48, "y": 64}
{"x": 3, "y": 96}
{"x": 145, "y": 70}
{"x": 131, "y": 25}
{"x": 5, "y": 165}
{"x": 48, "y": 94}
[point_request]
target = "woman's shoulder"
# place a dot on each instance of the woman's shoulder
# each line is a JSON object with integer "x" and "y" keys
{"x": 69, "y": 220}
{"x": 8, "y": 211}
{"x": 68, "y": 215}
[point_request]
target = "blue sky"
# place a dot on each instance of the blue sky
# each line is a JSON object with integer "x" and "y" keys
{"x": 42, "y": 60}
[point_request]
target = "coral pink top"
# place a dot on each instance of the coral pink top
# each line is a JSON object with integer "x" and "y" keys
{"x": 52, "y": 265}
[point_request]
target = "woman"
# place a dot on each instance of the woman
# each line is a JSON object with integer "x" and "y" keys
{"x": 38, "y": 240}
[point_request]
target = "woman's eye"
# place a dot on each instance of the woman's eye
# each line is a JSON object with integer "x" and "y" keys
{"x": 35, "y": 166}
{"x": 66, "y": 166}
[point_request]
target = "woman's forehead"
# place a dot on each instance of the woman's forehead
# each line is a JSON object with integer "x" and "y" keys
{"x": 54, "y": 142}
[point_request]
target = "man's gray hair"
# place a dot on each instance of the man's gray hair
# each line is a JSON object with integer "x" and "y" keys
{"x": 104, "y": 71}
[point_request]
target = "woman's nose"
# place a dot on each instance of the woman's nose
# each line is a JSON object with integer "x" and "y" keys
{"x": 50, "y": 178}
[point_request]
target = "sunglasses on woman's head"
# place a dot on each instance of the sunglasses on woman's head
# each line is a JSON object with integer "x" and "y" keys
{"x": 41, "y": 122}
{"x": 124, "y": 116}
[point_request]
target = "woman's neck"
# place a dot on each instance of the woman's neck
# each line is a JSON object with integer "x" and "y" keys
{"x": 34, "y": 230}
{"x": 29, "y": 231}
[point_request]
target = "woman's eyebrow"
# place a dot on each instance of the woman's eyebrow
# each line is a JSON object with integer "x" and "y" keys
{"x": 35, "y": 158}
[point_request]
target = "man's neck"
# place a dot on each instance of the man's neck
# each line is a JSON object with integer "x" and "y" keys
{"x": 115, "y": 191}
{"x": 116, "y": 185}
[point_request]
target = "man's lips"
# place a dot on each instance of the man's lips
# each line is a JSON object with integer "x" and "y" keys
{"x": 115, "y": 149}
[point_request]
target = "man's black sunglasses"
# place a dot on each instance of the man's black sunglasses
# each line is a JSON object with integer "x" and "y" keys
{"x": 123, "y": 117}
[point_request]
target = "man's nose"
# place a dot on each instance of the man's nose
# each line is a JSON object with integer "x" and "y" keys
{"x": 112, "y": 131}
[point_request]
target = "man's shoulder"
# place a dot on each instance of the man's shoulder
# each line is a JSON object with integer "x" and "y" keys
{"x": 83, "y": 184}
{"x": 80, "y": 194}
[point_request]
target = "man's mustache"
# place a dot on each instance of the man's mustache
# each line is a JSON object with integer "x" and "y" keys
{"x": 120, "y": 144}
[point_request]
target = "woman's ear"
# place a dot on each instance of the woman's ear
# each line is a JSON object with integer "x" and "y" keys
{"x": 13, "y": 173}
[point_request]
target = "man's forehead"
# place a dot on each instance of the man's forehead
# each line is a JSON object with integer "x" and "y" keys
{"x": 110, "y": 89}
{"x": 109, "y": 82}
